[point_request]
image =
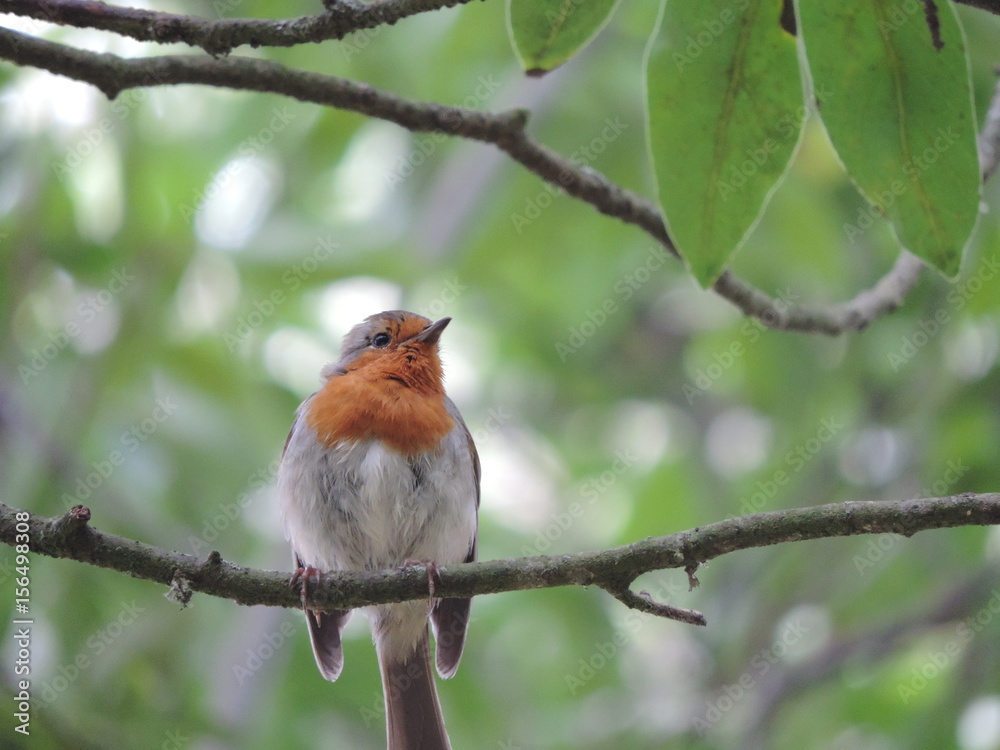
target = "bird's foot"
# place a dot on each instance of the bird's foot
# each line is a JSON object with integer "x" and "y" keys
{"x": 433, "y": 577}
{"x": 301, "y": 577}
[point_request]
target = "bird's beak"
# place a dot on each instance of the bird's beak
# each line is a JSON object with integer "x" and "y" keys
{"x": 432, "y": 333}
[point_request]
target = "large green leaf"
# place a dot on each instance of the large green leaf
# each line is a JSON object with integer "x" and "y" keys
{"x": 546, "y": 33}
{"x": 725, "y": 109}
{"x": 901, "y": 118}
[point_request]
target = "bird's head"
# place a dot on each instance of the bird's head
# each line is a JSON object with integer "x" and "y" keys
{"x": 395, "y": 345}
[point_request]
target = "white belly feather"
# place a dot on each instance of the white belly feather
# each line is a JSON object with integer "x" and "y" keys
{"x": 362, "y": 506}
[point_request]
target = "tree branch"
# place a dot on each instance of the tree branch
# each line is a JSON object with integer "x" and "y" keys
{"x": 506, "y": 130}
{"x": 614, "y": 569}
{"x": 854, "y": 315}
{"x": 221, "y": 36}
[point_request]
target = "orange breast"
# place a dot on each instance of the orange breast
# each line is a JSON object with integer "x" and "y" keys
{"x": 365, "y": 404}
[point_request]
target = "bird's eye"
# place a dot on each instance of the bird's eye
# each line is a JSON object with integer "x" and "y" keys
{"x": 381, "y": 340}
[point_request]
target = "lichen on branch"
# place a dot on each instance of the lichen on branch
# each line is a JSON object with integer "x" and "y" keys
{"x": 71, "y": 537}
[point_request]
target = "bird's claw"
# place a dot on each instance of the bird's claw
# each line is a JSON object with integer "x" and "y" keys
{"x": 433, "y": 577}
{"x": 301, "y": 578}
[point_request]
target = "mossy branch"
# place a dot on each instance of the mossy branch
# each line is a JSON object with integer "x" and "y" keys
{"x": 71, "y": 537}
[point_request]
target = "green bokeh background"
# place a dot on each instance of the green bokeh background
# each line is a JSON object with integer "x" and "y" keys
{"x": 672, "y": 413}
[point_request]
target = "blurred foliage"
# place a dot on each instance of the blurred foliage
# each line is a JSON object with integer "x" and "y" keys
{"x": 207, "y": 249}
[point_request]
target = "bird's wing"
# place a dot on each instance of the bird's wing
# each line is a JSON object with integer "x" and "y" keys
{"x": 450, "y": 617}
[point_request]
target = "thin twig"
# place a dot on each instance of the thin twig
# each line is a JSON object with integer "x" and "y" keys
{"x": 643, "y": 602}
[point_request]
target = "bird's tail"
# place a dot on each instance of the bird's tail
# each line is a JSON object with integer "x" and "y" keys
{"x": 412, "y": 711}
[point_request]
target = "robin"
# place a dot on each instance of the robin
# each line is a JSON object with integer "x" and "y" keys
{"x": 379, "y": 471}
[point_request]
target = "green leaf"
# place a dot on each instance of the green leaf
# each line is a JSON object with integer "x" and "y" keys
{"x": 546, "y": 33}
{"x": 899, "y": 113}
{"x": 724, "y": 100}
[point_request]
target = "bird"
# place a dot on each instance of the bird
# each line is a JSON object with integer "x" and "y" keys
{"x": 379, "y": 471}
